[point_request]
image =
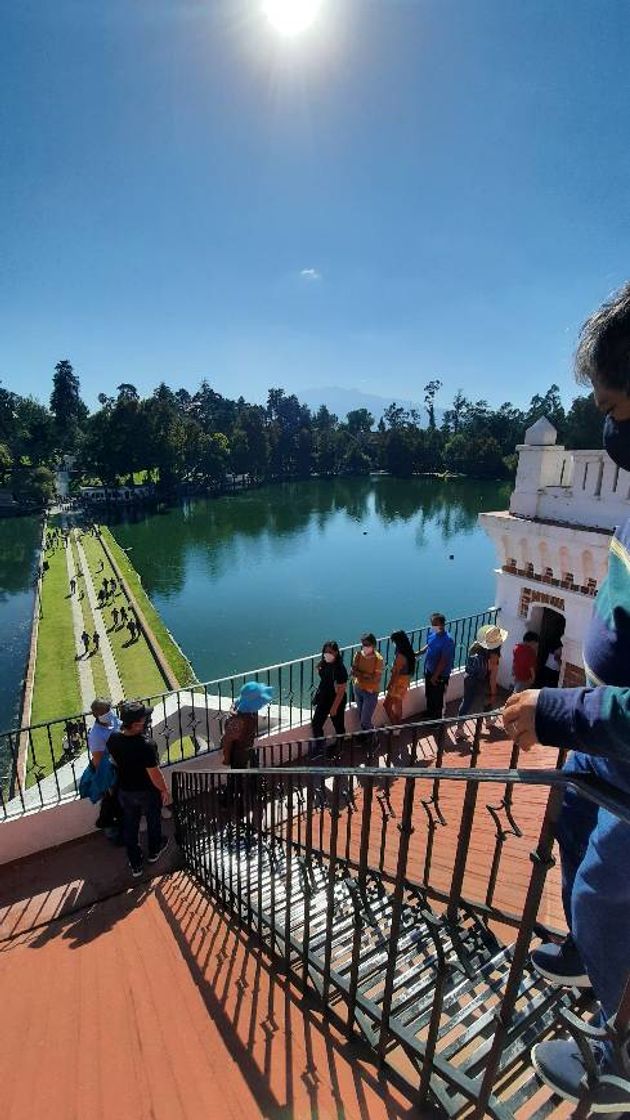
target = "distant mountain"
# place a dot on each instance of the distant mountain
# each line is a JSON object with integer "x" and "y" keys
{"x": 343, "y": 401}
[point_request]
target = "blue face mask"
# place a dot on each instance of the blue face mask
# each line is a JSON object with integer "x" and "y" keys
{"x": 617, "y": 441}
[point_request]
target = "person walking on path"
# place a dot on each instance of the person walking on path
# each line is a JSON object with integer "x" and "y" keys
{"x": 101, "y": 597}
{"x": 142, "y": 790}
{"x": 439, "y": 657}
{"x": 115, "y": 617}
{"x": 85, "y": 638}
{"x": 524, "y": 661}
{"x": 367, "y": 670}
{"x": 595, "y": 723}
{"x": 331, "y": 696}
{"x": 480, "y": 675}
{"x": 131, "y": 627}
{"x": 96, "y": 640}
{"x": 401, "y": 675}
{"x": 123, "y": 615}
{"x": 73, "y": 585}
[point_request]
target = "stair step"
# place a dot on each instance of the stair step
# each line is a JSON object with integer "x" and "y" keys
{"x": 472, "y": 964}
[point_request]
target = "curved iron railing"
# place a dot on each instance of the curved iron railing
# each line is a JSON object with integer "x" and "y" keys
{"x": 41, "y": 764}
{"x": 388, "y": 893}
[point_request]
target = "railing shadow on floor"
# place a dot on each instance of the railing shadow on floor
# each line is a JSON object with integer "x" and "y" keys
{"x": 296, "y": 1062}
{"x": 387, "y": 893}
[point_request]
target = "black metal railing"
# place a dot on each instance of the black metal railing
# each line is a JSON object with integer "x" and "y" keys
{"x": 387, "y": 891}
{"x": 41, "y": 764}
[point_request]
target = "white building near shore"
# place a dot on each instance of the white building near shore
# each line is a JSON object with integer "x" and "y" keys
{"x": 552, "y": 544}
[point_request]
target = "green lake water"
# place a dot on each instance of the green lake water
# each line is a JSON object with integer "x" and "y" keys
{"x": 19, "y": 543}
{"x": 269, "y": 574}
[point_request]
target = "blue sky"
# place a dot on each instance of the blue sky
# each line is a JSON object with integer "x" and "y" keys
{"x": 409, "y": 190}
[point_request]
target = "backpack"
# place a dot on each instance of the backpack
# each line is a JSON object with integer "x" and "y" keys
{"x": 477, "y": 665}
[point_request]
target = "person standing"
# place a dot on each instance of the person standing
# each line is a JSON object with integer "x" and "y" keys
{"x": 331, "y": 696}
{"x": 105, "y": 723}
{"x": 241, "y": 730}
{"x": 524, "y": 661}
{"x": 142, "y": 790}
{"x": 73, "y": 586}
{"x": 115, "y": 617}
{"x": 367, "y": 670}
{"x": 96, "y": 641}
{"x": 595, "y": 723}
{"x": 552, "y": 667}
{"x": 439, "y": 657}
{"x": 480, "y": 675}
{"x": 85, "y": 638}
{"x": 401, "y": 675}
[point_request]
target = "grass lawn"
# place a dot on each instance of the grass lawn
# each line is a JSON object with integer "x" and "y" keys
{"x": 56, "y": 692}
{"x": 176, "y": 659}
{"x": 138, "y": 672}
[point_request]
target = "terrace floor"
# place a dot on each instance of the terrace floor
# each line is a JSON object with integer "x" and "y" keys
{"x": 148, "y": 1001}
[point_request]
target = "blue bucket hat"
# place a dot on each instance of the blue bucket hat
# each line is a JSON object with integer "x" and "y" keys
{"x": 254, "y": 696}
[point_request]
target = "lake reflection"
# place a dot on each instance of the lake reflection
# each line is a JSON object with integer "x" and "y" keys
{"x": 19, "y": 539}
{"x": 268, "y": 575}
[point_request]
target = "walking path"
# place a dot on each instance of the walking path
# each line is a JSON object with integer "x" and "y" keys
{"x": 86, "y": 680}
{"x": 114, "y": 683}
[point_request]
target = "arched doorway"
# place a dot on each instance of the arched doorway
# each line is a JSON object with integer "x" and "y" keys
{"x": 550, "y": 625}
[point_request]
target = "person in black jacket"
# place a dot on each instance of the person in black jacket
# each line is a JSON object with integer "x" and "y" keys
{"x": 331, "y": 697}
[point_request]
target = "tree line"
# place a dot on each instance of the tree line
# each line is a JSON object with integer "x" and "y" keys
{"x": 177, "y": 438}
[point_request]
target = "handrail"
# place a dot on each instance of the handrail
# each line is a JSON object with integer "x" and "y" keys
{"x": 186, "y": 719}
{"x": 592, "y": 789}
{"x": 387, "y": 891}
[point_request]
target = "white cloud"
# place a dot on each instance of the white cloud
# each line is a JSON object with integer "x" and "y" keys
{"x": 310, "y": 275}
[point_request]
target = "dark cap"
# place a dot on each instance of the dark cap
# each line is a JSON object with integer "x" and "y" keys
{"x": 132, "y": 711}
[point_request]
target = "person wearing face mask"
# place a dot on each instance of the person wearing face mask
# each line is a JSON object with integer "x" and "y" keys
{"x": 330, "y": 698}
{"x": 103, "y": 782}
{"x": 594, "y": 722}
{"x": 367, "y": 670}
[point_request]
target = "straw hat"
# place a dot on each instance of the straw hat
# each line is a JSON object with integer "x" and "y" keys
{"x": 491, "y": 637}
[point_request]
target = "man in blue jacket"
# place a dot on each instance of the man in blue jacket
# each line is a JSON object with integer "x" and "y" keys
{"x": 594, "y": 722}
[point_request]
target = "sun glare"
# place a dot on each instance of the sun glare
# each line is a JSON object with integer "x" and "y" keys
{"x": 290, "y": 17}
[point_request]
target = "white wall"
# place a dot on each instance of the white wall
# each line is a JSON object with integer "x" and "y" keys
{"x": 57, "y": 824}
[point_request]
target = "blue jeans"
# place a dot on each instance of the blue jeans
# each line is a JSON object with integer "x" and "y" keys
{"x": 474, "y": 696}
{"x": 366, "y": 706}
{"x": 135, "y": 804}
{"x": 596, "y": 886}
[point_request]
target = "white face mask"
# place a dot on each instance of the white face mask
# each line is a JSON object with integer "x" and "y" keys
{"x": 330, "y": 657}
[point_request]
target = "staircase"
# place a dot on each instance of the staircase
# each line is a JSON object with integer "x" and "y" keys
{"x": 341, "y": 875}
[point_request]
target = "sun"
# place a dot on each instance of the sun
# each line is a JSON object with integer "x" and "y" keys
{"x": 290, "y": 17}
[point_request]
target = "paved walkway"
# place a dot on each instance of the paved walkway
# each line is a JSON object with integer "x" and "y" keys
{"x": 86, "y": 680}
{"x": 152, "y": 1004}
{"x": 114, "y": 683}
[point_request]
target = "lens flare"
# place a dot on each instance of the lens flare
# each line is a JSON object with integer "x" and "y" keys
{"x": 290, "y": 17}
